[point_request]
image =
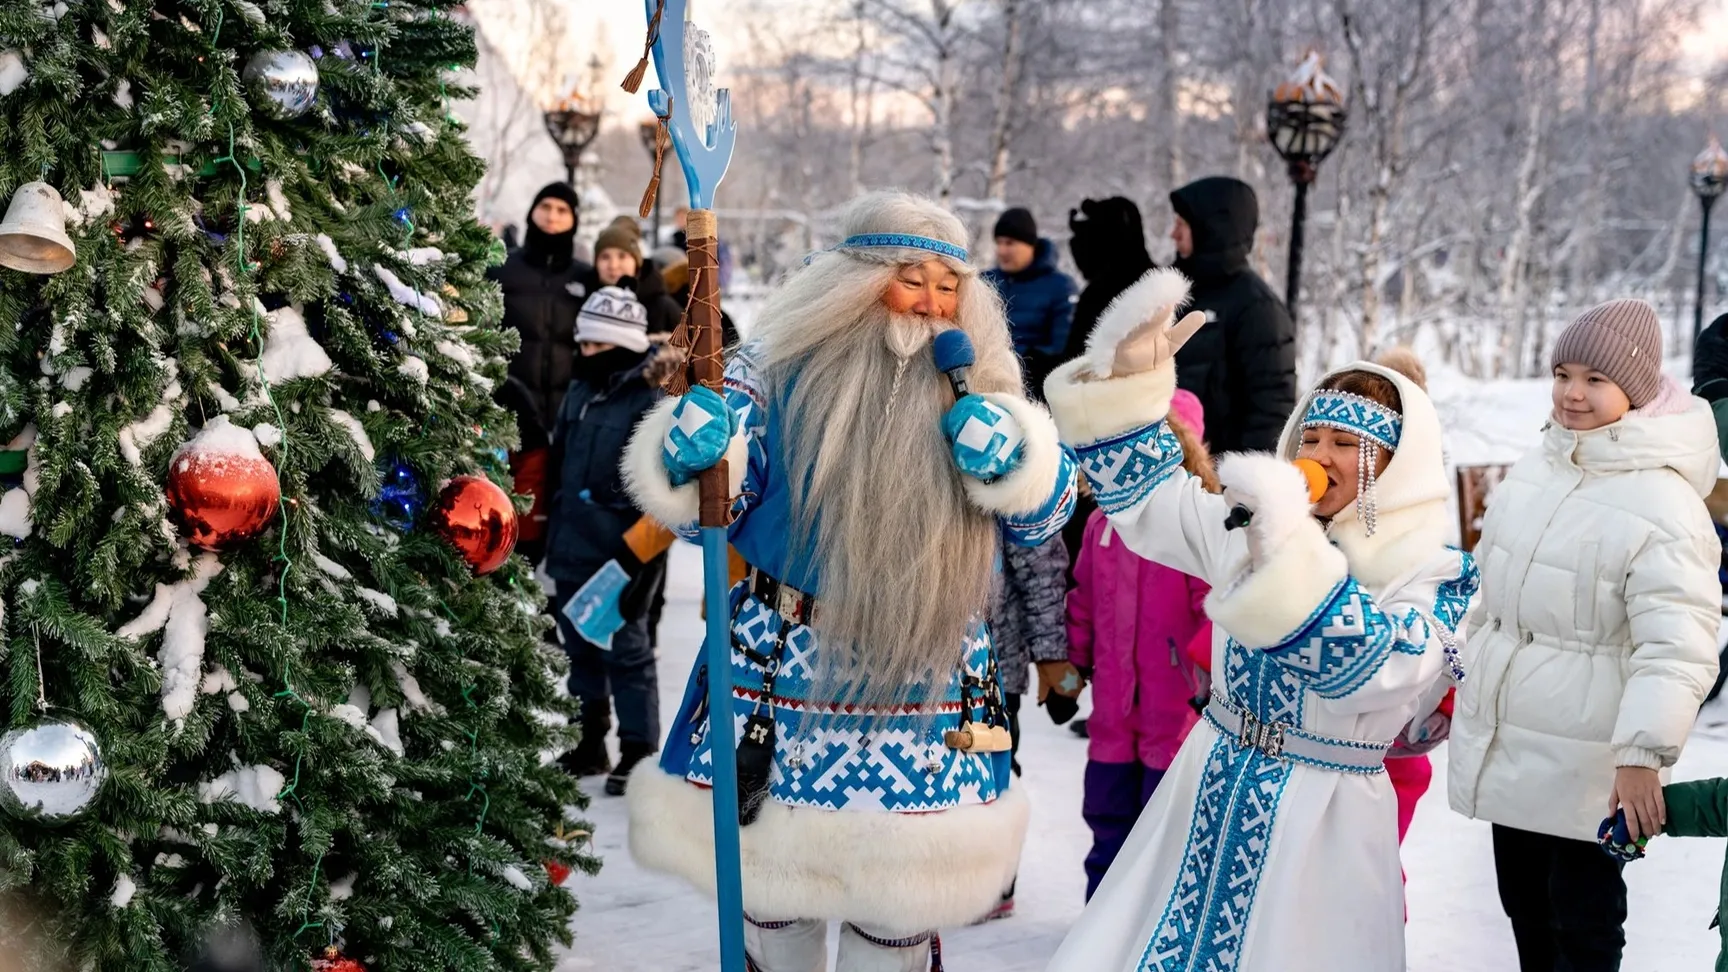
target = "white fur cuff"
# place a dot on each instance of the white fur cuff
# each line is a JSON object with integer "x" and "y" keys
{"x": 645, "y": 475}
{"x": 1092, "y": 409}
{"x": 1263, "y": 607}
{"x": 1033, "y": 482}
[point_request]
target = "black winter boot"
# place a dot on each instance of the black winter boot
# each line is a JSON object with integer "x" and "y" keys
{"x": 589, "y": 756}
{"x": 629, "y": 754}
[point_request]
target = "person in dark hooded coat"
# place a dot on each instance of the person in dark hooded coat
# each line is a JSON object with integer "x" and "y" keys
{"x": 1109, "y": 247}
{"x": 1710, "y": 375}
{"x": 544, "y": 286}
{"x": 1243, "y": 366}
{"x": 1710, "y": 382}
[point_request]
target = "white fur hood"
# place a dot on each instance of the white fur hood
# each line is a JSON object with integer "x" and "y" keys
{"x": 1412, "y": 494}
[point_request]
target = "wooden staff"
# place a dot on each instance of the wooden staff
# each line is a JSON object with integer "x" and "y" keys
{"x": 706, "y": 364}
{"x": 704, "y": 153}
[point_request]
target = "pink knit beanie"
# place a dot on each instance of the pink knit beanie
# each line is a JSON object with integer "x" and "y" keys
{"x": 1623, "y": 340}
{"x": 1186, "y": 407}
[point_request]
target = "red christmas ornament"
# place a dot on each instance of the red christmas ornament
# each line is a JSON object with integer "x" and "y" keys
{"x": 222, "y": 489}
{"x": 335, "y": 961}
{"x": 557, "y": 872}
{"x": 479, "y": 521}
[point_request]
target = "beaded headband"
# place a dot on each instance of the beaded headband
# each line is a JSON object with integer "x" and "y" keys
{"x": 904, "y": 241}
{"x": 1362, "y": 417}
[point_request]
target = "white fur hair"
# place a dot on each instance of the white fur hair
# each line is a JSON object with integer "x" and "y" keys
{"x": 861, "y": 429}
{"x": 1161, "y": 290}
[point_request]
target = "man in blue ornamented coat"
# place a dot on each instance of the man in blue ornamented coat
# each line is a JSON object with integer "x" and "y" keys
{"x": 873, "y": 761}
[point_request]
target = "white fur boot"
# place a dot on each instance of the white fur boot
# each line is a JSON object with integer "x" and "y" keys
{"x": 872, "y": 950}
{"x": 787, "y": 946}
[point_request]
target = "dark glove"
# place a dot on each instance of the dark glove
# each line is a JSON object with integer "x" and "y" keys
{"x": 1061, "y": 707}
{"x": 1617, "y": 841}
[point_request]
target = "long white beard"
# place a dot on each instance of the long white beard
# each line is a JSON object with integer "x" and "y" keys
{"x": 906, "y": 560}
{"x": 908, "y": 334}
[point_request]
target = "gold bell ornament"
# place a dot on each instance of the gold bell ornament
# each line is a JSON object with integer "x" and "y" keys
{"x": 33, "y": 237}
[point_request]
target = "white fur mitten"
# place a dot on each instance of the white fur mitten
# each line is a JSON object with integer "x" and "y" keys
{"x": 1275, "y": 492}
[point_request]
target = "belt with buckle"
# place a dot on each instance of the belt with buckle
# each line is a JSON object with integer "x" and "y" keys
{"x": 787, "y": 601}
{"x": 1276, "y": 740}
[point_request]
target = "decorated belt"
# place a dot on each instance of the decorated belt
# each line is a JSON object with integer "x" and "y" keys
{"x": 784, "y": 599}
{"x": 1277, "y": 740}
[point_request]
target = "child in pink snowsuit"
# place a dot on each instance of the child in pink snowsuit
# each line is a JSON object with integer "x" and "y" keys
{"x": 1132, "y": 625}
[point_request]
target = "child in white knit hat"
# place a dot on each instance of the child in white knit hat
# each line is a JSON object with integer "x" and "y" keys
{"x": 1597, "y": 639}
{"x": 618, "y": 378}
{"x": 612, "y": 316}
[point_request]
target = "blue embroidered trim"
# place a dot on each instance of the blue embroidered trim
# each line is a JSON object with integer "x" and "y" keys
{"x": 904, "y": 241}
{"x": 1452, "y": 600}
{"x": 1126, "y": 468}
{"x": 1343, "y": 646}
{"x": 1230, "y": 833}
{"x": 1206, "y": 917}
{"x": 1041, "y": 524}
{"x": 1362, "y": 417}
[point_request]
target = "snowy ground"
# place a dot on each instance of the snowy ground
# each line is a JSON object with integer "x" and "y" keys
{"x": 632, "y": 921}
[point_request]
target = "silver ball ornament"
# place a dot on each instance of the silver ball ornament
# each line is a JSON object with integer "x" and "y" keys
{"x": 283, "y": 83}
{"x": 50, "y": 772}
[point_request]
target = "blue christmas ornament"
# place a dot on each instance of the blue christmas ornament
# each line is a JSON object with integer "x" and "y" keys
{"x": 402, "y": 499}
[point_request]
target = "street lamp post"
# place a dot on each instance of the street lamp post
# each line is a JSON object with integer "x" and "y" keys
{"x": 573, "y": 126}
{"x": 1709, "y": 179}
{"x": 1304, "y": 121}
{"x": 650, "y": 132}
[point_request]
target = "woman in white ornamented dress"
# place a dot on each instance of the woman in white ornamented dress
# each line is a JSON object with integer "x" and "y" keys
{"x": 1272, "y": 845}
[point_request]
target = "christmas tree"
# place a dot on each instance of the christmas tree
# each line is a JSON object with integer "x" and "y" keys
{"x": 305, "y": 691}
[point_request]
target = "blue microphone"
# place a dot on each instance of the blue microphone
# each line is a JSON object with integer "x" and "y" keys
{"x": 954, "y": 358}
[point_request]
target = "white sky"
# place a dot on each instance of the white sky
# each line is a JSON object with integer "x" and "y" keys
{"x": 616, "y": 27}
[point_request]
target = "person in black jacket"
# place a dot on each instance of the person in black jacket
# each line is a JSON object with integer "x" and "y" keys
{"x": 1710, "y": 375}
{"x": 1242, "y": 367}
{"x": 617, "y": 379}
{"x": 1109, "y": 247}
{"x": 544, "y": 286}
{"x": 618, "y": 256}
{"x": 1710, "y": 382}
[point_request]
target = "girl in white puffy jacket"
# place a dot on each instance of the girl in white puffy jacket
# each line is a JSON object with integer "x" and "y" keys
{"x": 1597, "y": 637}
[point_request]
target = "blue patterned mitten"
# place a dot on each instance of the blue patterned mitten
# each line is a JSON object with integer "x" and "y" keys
{"x": 702, "y": 427}
{"x": 988, "y": 443}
